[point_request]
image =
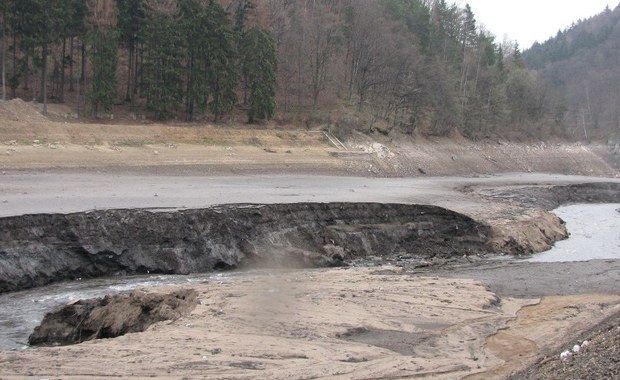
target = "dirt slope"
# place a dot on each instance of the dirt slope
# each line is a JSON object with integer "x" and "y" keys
{"x": 29, "y": 140}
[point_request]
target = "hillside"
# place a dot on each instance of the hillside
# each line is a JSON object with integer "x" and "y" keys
{"x": 30, "y": 140}
{"x": 580, "y": 69}
{"x": 397, "y": 67}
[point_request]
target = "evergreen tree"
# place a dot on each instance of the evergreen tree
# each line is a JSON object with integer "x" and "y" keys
{"x": 195, "y": 25}
{"x": 260, "y": 65}
{"x": 4, "y": 7}
{"x": 103, "y": 39}
{"x": 242, "y": 13}
{"x": 104, "y": 58}
{"x": 131, "y": 25}
{"x": 222, "y": 71}
{"x": 38, "y": 23}
{"x": 75, "y": 29}
{"x": 163, "y": 81}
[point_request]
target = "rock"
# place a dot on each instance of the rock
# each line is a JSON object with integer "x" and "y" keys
{"x": 111, "y": 316}
{"x": 565, "y": 355}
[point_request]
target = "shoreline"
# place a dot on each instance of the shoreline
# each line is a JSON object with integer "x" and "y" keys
{"x": 385, "y": 332}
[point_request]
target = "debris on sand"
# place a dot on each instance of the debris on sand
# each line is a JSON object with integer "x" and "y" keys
{"x": 111, "y": 316}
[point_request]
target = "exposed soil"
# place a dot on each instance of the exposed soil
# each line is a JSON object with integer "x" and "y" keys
{"x": 39, "y": 249}
{"x": 354, "y": 323}
{"x": 111, "y": 316}
{"x": 29, "y": 140}
{"x": 597, "y": 356}
{"x": 347, "y": 323}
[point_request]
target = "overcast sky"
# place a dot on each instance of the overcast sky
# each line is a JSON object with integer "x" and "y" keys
{"x": 527, "y": 21}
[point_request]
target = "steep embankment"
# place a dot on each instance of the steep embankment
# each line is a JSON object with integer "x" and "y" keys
{"x": 39, "y": 249}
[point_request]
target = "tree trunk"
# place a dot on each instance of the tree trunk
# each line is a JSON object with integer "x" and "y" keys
{"x": 245, "y": 89}
{"x": 83, "y": 69}
{"x": 77, "y": 97}
{"x": 14, "y": 86}
{"x": 44, "y": 77}
{"x": 27, "y": 74}
{"x": 189, "y": 107}
{"x": 71, "y": 65}
{"x": 3, "y": 52}
{"x": 129, "y": 72}
{"x": 61, "y": 96}
{"x": 137, "y": 74}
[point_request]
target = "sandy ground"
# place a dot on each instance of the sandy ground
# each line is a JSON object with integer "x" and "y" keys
{"x": 340, "y": 323}
{"x": 29, "y": 140}
{"x": 28, "y": 191}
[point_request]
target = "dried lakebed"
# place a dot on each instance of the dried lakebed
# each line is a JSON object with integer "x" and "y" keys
{"x": 407, "y": 336}
{"x": 39, "y": 249}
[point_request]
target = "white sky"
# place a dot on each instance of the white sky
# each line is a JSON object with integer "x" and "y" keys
{"x": 527, "y": 21}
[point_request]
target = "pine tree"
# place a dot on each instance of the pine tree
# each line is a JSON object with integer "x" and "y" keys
{"x": 131, "y": 24}
{"x": 38, "y": 23}
{"x": 103, "y": 39}
{"x": 75, "y": 29}
{"x": 242, "y": 13}
{"x": 104, "y": 58}
{"x": 260, "y": 65}
{"x": 195, "y": 25}
{"x": 222, "y": 71}
{"x": 4, "y": 7}
{"x": 163, "y": 81}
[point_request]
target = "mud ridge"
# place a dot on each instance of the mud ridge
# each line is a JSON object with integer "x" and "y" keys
{"x": 39, "y": 249}
{"x": 552, "y": 197}
{"x": 111, "y": 316}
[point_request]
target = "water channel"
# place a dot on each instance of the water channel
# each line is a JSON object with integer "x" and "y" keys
{"x": 595, "y": 234}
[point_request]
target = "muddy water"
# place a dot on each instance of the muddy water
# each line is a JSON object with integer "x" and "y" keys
{"x": 594, "y": 234}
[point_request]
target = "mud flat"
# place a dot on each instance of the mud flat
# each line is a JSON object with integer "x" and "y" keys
{"x": 381, "y": 322}
{"x": 345, "y": 322}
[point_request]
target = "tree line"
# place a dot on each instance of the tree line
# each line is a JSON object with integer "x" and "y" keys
{"x": 177, "y": 58}
{"x": 416, "y": 66}
{"x": 579, "y": 66}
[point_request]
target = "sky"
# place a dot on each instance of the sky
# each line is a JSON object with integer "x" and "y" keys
{"x": 528, "y": 21}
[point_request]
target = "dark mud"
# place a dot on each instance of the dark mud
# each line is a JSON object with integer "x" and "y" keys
{"x": 39, "y": 249}
{"x": 552, "y": 197}
{"x": 111, "y": 316}
{"x": 521, "y": 279}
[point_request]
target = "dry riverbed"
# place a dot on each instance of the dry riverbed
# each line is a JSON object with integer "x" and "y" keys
{"x": 484, "y": 319}
{"x": 338, "y": 323}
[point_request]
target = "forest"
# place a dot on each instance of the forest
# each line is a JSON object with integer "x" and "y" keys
{"x": 377, "y": 66}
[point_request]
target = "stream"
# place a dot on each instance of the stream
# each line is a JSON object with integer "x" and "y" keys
{"x": 594, "y": 228}
{"x": 594, "y": 234}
